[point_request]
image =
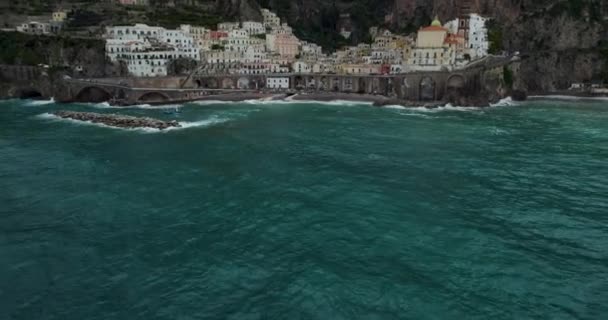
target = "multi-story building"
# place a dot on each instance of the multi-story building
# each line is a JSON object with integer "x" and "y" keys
{"x": 478, "y": 36}
{"x": 301, "y": 67}
{"x": 148, "y": 50}
{"x": 35, "y": 27}
{"x": 432, "y": 52}
{"x": 286, "y": 45}
{"x": 277, "y": 83}
{"x": 228, "y": 26}
{"x": 254, "y": 28}
{"x": 271, "y": 20}
{"x": 359, "y": 69}
{"x": 222, "y": 57}
{"x": 59, "y": 16}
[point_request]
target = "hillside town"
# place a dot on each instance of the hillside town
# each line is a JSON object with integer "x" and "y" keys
{"x": 271, "y": 47}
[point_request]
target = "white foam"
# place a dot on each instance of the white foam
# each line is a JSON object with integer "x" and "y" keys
{"x": 395, "y": 106}
{"x": 567, "y": 98}
{"x": 506, "y": 102}
{"x": 35, "y": 103}
{"x": 211, "y": 102}
{"x": 183, "y": 125}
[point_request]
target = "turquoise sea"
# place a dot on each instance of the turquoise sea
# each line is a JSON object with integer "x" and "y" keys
{"x": 302, "y": 210}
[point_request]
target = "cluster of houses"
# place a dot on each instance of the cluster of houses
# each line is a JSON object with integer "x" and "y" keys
{"x": 53, "y": 25}
{"x": 270, "y": 47}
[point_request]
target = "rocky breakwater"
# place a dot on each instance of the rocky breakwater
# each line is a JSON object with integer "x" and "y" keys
{"x": 119, "y": 121}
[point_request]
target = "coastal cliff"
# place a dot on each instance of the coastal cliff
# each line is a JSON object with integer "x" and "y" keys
{"x": 560, "y": 41}
{"x": 40, "y": 62}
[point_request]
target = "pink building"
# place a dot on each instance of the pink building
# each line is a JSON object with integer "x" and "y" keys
{"x": 287, "y": 45}
{"x": 217, "y": 35}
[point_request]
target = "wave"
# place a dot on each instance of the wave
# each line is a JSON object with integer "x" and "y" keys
{"x": 506, "y": 102}
{"x": 184, "y": 125}
{"x": 567, "y": 98}
{"x": 36, "y": 103}
{"x": 106, "y": 105}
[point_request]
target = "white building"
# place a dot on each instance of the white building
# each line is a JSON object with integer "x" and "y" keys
{"x": 148, "y": 50}
{"x": 277, "y": 83}
{"x": 301, "y": 67}
{"x": 254, "y": 28}
{"x": 255, "y": 53}
{"x": 223, "y": 57}
{"x": 478, "y": 36}
{"x": 35, "y": 27}
{"x": 228, "y": 26}
{"x": 271, "y": 20}
{"x": 137, "y": 32}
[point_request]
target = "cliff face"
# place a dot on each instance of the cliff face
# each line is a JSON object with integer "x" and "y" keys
{"x": 39, "y": 61}
{"x": 560, "y": 40}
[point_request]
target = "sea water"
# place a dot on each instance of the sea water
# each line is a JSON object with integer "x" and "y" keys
{"x": 306, "y": 210}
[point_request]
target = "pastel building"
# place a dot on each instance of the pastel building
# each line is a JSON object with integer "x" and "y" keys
{"x": 59, "y": 16}
{"x": 277, "y": 83}
{"x": 35, "y": 27}
{"x": 478, "y": 36}
{"x": 301, "y": 67}
{"x": 286, "y": 45}
{"x": 271, "y": 20}
{"x": 432, "y": 52}
{"x": 254, "y": 28}
{"x": 228, "y": 26}
{"x": 148, "y": 50}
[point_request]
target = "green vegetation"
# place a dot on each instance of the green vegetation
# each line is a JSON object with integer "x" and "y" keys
{"x": 494, "y": 37}
{"x": 18, "y": 48}
{"x": 173, "y": 18}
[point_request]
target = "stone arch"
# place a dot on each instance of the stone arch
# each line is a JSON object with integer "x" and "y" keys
{"x": 29, "y": 93}
{"x": 455, "y": 81}
{"x": 323, "y": 83}
{"x": 299, "y": 83}
{"x": 257, "y": 83}
{"x": 153, "y": 96}
{"x": 335, "y": 84}
{"x": 228, "y": 83}
{"x": 375, "y": 85}
{"x": 198, "y": 83}
{"x": 208, "y": 83}
{"x": 93, "y": 94}
{"x": 121, "y": 94}
{"x": 362, "y": 87}
{"x": 427, "y": 89}
{"x": 243, "y": 83}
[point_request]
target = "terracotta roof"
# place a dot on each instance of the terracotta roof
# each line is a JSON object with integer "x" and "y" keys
{"x": 434, "y": 28}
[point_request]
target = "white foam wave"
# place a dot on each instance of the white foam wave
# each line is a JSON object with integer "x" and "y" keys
{"x": 211, "y": 102}
{"x": 395, "y": 106}
{"x": 506, "y": 102}
{"x": 183, "y": 125}
{"x": 567, "y": 98}
{"x": 35, "y": 103}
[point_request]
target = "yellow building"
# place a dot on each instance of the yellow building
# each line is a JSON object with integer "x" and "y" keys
{"x": 434, "y": 50}
{"x": 60, "y": 16}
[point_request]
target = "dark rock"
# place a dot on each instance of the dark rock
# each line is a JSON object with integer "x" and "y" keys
{"x": 119, "y": 121}
{"x": 519, "y": 95}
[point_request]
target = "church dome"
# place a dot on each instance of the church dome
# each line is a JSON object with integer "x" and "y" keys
{"x": 436, "y": 22}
